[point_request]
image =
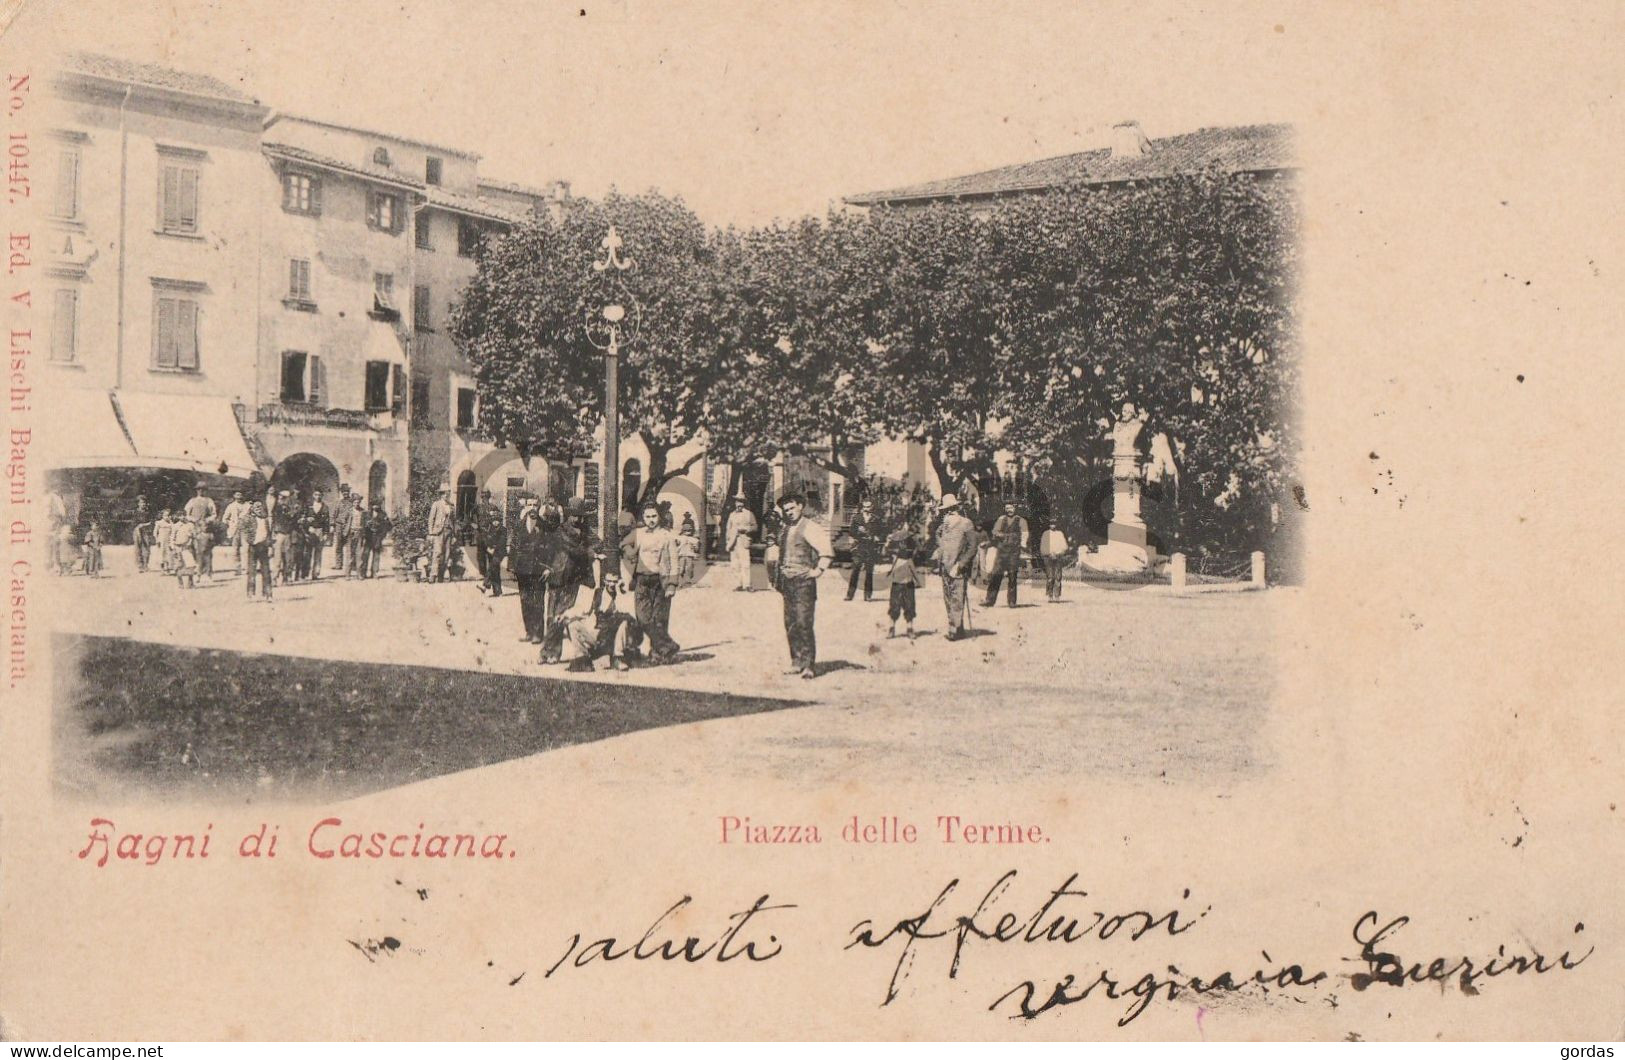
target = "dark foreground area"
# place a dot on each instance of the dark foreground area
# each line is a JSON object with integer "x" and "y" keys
{"x": 138, "y": 719}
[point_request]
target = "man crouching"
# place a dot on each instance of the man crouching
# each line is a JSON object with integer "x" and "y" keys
{"x": 598, "y": 626}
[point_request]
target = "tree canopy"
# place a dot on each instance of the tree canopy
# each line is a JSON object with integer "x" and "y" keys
{"x": 1022, "y": 327}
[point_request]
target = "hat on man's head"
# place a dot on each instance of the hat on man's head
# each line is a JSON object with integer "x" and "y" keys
{"x": 948, "y": 501}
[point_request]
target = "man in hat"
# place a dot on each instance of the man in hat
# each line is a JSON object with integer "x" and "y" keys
{"x": 201, "y": 513}
{"x": 867, "y": 532}
{"x": 236, "y": 518}
{"x": 343, "y": 510}
{"x": 441, "y": 520}
{"x": 318, "y": 524}
{"x": 1009, "y": 537}
{"x": 650, "y": 555}
{"x": 956, "y": 551}
{"x": 490, "y": 544}
{"x": 527, "y": 559}
{"x": 736, "y": 537}
{"x": 284, "y": 522}
{"x": 804, "y": 555}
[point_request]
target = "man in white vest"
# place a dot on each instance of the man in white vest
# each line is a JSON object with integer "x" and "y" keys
{"x": 804, "y": 555}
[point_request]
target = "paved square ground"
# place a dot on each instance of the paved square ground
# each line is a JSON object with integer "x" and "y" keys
{"x": 1138, "y": 683}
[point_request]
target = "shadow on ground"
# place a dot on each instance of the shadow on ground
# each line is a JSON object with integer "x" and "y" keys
{"x": 136, "y": 719}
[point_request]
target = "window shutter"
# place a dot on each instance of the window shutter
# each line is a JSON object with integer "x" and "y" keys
{"x": 67, "y": 184}
{"x": 293, "y": 277}
{"x": 372, "y": 209}
{"x": 188, "y": 200}
{"x": 420, "y": 306}
{"x": 315, "y": 195}
{"x": 169, "y": 199}
{"x": 186, "y": 327}
{"x": 164, "y": 331}
{"x": 65, "y": 326}
{"x": 318, "y": 380}
{"x": 397, "y": 401}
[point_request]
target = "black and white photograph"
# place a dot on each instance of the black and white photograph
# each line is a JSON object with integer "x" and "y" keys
{"x": 545, "y": 456}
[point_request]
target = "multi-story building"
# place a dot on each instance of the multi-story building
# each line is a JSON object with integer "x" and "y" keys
{"x": 152, "y": 278}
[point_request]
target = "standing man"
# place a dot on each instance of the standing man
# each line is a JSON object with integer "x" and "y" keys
{"x": 490, "y": 543}
{"x": 442, "y": 520}
{"x": 343, "y": 508}
{"x": 1054, "y": 550}
{"x": 235, "y": 518}
{"x": 804, "y": 555}
{"x": 868, "y": 532}
{"x": 375, "y": 528}
{"x": 1009, "y": 537}
{"x": 356, "y": 525}
{"x": 202, "y": 513}
{"x": 142, "y": 534}
{"x": 956, "y": 551}
{"x": 564, "y": 557}
{"x": 319, "y": 518}
{"x": 741, "y": 527}
{"x": 256, "y": 535}
{"x": 650, "y": 555}
{"x": 526, "y": 558}
{"x": 284, "y": 524}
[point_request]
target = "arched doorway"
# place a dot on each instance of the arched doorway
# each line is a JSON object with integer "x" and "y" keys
{"x": 378, "y": 484}
{"x": 468, "y": 495}
{"x": 305, "y": 473}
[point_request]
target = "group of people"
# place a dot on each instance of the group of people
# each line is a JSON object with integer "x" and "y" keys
{"x": 279, "y": 539}
{"x": 571, "y": 588}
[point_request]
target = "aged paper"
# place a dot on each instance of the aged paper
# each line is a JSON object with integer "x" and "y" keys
{"x": 1381, "y": 802}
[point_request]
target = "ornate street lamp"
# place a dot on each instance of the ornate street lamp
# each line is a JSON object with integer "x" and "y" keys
{"x": 609, "y": 327}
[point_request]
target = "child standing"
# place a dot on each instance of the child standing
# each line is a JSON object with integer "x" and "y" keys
{"x": 902, "y": 578}
{"x": 93, "y": 549}
{"x": 164, "y": 536}
{"x": 183, "y": 543}
{"x": 688, "y": 550}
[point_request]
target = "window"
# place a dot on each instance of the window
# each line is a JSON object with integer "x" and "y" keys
{"x": 303, "y": 378}
{"x": 383, "y": 295}
{"x": 631, "y": 483}
{"x": 299, "y": 284}
{"x": 65, "y": 327}
{"x": 422, "y": 417}
{"x": 397, "y": 389}
{"x": 465, "y": 408}
{"x": 66, "y": 205}
{"x": 420, "y": 230}
{"x": 468, "y": 238}
{"x": 380, "y": 157}
{"x": 301, "y": 193}
{"x": 383, "y": 211}
{"x": 420, "y": 308}
{"x": 431, "y": 170}
{"x": 178, "y": 198}
{"x": 175, "y": 334}
{"x": 377, "y": 396}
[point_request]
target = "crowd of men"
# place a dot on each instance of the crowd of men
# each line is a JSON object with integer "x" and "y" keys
{"x": 569, "y": 586}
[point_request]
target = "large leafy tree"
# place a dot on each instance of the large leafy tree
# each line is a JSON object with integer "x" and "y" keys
{"x": 524, "y": 320}
{"x": 1173, "y": 300}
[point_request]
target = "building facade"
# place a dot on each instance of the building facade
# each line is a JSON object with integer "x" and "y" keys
{"x": 151, "y": 277}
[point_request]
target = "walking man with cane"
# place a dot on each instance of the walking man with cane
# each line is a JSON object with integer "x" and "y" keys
{"x": 956, "y": 551}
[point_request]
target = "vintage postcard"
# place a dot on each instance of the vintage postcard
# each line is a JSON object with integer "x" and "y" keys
{"x": 899, "y": 520}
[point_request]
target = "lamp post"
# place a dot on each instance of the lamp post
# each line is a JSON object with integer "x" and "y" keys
{"x": 610, "y": 326}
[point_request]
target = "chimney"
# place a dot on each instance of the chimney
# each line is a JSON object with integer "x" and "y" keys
{"x": 1128, "y": 141}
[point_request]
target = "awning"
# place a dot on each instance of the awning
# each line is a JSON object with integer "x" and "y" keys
{"x": 181, "y": 431}
{"x": 89, "y": 434}
{"x": 382, "y": 344}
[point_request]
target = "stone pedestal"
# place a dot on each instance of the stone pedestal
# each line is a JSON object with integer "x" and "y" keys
{"x": 1126, "y": 549}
